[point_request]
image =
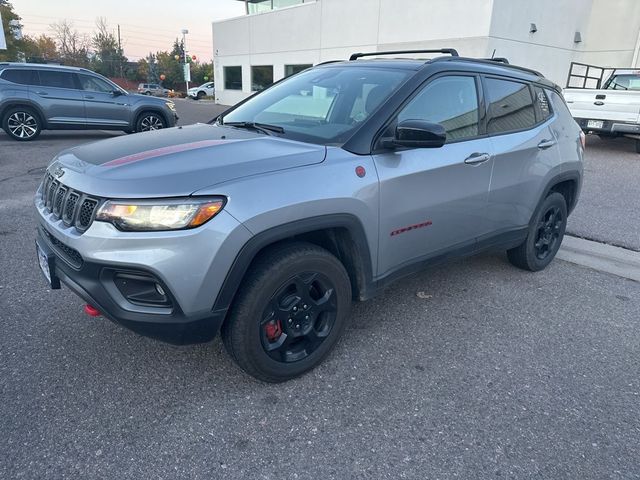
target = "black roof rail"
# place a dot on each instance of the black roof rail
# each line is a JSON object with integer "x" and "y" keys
{"x": 499, "y": 60}
{"x": 328, "y": 61}
{"x": 451, "y": 51}
{"x": 489, "y": 61}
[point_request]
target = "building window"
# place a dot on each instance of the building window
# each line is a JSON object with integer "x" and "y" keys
{"x": 261, "y": 77}
{"x": 233, "y": 78}
{"x": 259, "y": 6}
{"x": 293, "y": 69}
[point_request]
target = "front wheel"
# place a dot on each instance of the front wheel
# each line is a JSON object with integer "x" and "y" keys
{"x": 544, "y": 237}
{"x": 289, "y": 313}
{"x": 150, "y": 121}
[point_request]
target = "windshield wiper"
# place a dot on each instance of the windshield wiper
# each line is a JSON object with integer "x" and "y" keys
{"x": 262, "y": 127}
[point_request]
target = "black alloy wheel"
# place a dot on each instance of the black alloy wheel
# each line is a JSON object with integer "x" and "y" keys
{"x": 289, "y": 312}
{"x": 544, "y": 237}
{"x": 299, "y": 317}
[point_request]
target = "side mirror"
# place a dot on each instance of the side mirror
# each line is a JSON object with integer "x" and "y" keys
{"x": 419, "y": 134}
{"x": 116, "y": 93}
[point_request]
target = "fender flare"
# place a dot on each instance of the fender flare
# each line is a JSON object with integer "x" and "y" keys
{"x": 255, "y": 244}
{"x": 563, "y": 177}
{"x": 14, "y": 103}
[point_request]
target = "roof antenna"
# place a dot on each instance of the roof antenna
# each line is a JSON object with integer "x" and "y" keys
{"x": 494, "y": 53}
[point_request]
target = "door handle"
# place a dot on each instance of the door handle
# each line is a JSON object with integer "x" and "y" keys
{"x": 41, "y": 93}
{"x": 544, "y": 144}
{"x": 477, "y": 158}
{"x": 89, "y": 97}
{"x": 598, "y": 103}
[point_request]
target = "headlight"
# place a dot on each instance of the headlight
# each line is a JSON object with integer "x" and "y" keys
{"x": 171, "y": 105}
{"x": 158, "y": 215}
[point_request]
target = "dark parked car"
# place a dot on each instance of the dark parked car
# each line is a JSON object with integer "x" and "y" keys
{"x": 37, "y": 97}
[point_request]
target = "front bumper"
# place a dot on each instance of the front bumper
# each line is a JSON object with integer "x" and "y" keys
{"x": 610, "y": 127}
{"x": 190, "y": 267}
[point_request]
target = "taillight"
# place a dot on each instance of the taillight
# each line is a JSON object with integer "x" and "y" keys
{"x": 583, "y": 140}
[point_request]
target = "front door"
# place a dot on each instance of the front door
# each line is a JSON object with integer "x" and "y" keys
{"x": 102, "y": 107}
{"x": 433, "y": 200}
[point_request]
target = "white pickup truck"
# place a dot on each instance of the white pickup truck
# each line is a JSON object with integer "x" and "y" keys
{"x": 605, "y": 101}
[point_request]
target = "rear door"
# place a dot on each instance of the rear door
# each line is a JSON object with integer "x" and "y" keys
{"x": 524, "y": 146}
{"x": 102, "y": 107}
{"x": 60, "y": 98}
{"x": 434, "y": 199}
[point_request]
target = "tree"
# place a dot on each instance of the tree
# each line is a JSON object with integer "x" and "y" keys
{"x": 108, "y": 56}
{"x": 73, "y": 47}
{"x": 10, "y": 26}
{"x": 39, "y": 49}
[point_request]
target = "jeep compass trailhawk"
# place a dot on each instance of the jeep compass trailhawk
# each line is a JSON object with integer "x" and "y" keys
{"x": 267, "y": 223}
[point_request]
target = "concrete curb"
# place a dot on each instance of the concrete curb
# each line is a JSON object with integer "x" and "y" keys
{"x": 599, "y": 256}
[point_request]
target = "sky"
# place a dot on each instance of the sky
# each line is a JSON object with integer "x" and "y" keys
{"x": 145, "y": 25}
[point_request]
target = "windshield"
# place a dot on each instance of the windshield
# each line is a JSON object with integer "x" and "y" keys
{"x": 323, "y": 105}
{"x": 625, "y": 81}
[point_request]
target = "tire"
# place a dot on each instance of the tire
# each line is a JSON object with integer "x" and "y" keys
{"x": 289, "y": 313}
{"x": 148, "y": 121}
{"x": 22, "y": 124}
{"x": 201, "y": 95}
{"x": 637, "y": 146}
{"x": 545, "y": 235}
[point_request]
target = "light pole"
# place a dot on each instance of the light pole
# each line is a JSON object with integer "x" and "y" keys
{"x": 185, "y": 68}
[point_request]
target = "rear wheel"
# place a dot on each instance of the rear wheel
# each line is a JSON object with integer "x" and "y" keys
{"x": 544, "y": 237}
{"x": 148, "y": 121}
{"x": 22, "y": 123}
{"x": 289, "y": 313}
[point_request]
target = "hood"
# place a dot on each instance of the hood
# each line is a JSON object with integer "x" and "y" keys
{"x": 177, "y": 161}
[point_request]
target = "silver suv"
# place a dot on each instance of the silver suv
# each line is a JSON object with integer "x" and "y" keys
{"x": 320, "y": 190}
{"x": 36, "y": 97}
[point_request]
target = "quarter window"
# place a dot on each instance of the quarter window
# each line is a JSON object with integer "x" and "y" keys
{"x": 21, "y": 76}
{"x": 233, "y": 78}
{"x": 510, "y": 106}
{"x": 542, "y": 103}
{"x": 53, "y": 78}
{"x": 451, "y": 101}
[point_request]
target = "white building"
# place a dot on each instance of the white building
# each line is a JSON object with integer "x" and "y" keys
{"x": 279, "y": 37}
{"x": 3, "y": 42}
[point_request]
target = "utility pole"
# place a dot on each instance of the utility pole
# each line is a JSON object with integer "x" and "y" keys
{"x": 187, "y": 72}
{"x": 120, "y": 53}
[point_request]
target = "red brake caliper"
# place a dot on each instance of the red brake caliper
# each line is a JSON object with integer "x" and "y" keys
{"x": 273, "y": 329}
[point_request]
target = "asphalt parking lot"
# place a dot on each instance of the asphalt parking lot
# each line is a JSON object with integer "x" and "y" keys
{"x": 471, "y": 370}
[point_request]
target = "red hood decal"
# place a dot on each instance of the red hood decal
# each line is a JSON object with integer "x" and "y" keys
{"x": 159, "y": 152}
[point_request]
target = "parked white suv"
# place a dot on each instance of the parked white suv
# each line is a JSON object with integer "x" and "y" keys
{"x": 204, "y": 90}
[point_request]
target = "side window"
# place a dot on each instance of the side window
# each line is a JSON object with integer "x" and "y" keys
{"x": 21, "y": 76}
{"x": 510, "y": 106}
{"x": 451, "y": 101}
{"x": 52, "y": 78}
{"x": 95, "y": 84}
{"x": 543, "y": 108}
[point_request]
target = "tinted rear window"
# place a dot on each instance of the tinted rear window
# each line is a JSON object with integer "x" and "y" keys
{"x": 21, "y": 76}
{"x": 510, "y": 106}
{"x": 52, "y": 78}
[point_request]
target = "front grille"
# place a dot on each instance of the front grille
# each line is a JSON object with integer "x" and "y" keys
{"x": 70, "y": 255}
{"x": 75, "y": 208}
